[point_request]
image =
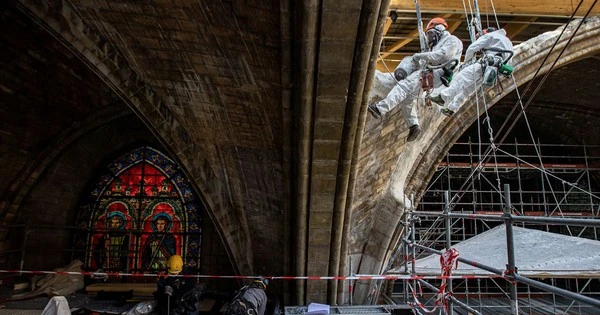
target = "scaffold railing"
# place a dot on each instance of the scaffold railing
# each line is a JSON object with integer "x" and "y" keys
{"x": 510, "y": 273}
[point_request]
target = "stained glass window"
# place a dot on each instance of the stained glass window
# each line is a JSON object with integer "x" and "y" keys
{"x": 140, "y": 211}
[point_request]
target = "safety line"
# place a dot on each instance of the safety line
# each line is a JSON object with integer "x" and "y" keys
{"x": 354, "y": 277}
{"x": 538, "y": 153}
{"x": 535, "y": 92}
{"x": 531, "y": 82}
{"x": 487, "y": 119}
{"x": 495, "y": 15}
{"x": 492, "y": 147}
{"x": 549, "y": 174}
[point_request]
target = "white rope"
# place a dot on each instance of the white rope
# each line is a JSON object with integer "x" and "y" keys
{"x": 574, "y": 186}
{"x": 495, "y": 16}
{"x": 492, "y": 146}
{"x": 467, "y": 18}
{"x": 538, "y": 153}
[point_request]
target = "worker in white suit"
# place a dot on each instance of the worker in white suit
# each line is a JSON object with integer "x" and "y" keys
{"x": 497, "y": 50}
{"x": 443, "y": 48}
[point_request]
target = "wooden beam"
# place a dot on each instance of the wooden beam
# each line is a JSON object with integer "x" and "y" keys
{"x": 453, "y": 26}
{"x": 401, "y": 43}
{"x": 513, "y": 29}
{"x": 389, "y": 64}
{"x": 386, "y": 26}
{"x": 414, "y": 34}
{"x": 562, "y": 8}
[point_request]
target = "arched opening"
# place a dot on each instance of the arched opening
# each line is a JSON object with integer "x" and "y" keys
{"x": 549, "y": 163}
{"x": 139, "y": 210}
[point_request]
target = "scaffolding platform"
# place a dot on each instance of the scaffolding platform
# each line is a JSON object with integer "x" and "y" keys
{"x": 539, "y": 254}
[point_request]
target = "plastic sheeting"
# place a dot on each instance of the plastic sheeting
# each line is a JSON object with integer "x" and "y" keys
{"x": 56, "y": 284}
{"x": 538, "y": 254}
{"x": 58, "y": 305}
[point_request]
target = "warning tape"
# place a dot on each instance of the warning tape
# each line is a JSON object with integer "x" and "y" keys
{"x": 355, "y": 277}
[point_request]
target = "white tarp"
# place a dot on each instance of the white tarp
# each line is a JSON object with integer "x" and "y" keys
{"x": 538, "y": 254}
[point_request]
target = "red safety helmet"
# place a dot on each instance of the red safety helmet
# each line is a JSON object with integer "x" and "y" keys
{"x": 436, "y": 21}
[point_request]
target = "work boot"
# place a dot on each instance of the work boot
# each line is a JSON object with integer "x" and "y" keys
{"x": 446, "y": 111}
{"x": 413, "y": 133}
{"x": 374, "y": 110}
{"x": 437, "y": 99}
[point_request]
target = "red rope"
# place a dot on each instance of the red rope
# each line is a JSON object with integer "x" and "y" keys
{"x": 447, "y": 260}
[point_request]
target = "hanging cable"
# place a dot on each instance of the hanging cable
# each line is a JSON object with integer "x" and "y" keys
{"x": 542, "y": 64}
{"x": 461, "y": 191}
{"x": 495, "y": 15}
{"x": 538, "y": 87}
{"x": 539, "y": 155}
{"x": 549, "y": 174}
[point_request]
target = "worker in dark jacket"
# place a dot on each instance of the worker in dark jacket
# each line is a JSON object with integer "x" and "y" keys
{"x": 249, "y": 300}
{"x": 172, "y": 294}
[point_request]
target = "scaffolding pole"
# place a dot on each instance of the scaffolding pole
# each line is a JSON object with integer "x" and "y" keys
{"x": 413, "y": 270}
{"x": 511, "y": 269}
{"x": 517, "y": 218}
{"x": 405, "y": 238}
{"x": 503, "y": 273}
{"x": 452, "y": 298}
{"x": 448, "y": 241}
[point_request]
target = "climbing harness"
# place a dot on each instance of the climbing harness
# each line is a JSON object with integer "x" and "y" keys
{"x": 427, "y": 71}
{"x": 427, "y": 81}
{"x": 494, "y": 64}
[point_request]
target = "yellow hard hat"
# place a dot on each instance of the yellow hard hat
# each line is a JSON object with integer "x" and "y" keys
{"x": 174, "y": 264}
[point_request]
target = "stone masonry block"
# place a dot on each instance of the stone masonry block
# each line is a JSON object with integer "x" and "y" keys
{"x": 326, "y": 150}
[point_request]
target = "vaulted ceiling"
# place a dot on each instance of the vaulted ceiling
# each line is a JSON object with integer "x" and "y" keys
{"x": 263, "y": 104}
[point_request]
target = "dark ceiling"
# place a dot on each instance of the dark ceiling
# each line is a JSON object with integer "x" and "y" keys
{"x": 562, "y": 111}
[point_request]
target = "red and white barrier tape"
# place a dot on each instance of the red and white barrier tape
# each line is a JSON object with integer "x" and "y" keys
{"x": 355, "y": 277}
{"x": 447, "y": 260}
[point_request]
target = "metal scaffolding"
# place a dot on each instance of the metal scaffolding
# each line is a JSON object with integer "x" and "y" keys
{"x": 556, "y": 192}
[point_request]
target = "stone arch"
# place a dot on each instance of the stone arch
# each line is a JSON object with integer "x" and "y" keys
{"x": 105, "y": 60}
{"x": 417, "y": 161}
{"x": 23, "y": 183}
{"x": 528, "y": 59}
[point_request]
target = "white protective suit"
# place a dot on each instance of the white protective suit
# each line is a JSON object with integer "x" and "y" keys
{"x": 406, "y": 91}
{"x": 471, "y": 77}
